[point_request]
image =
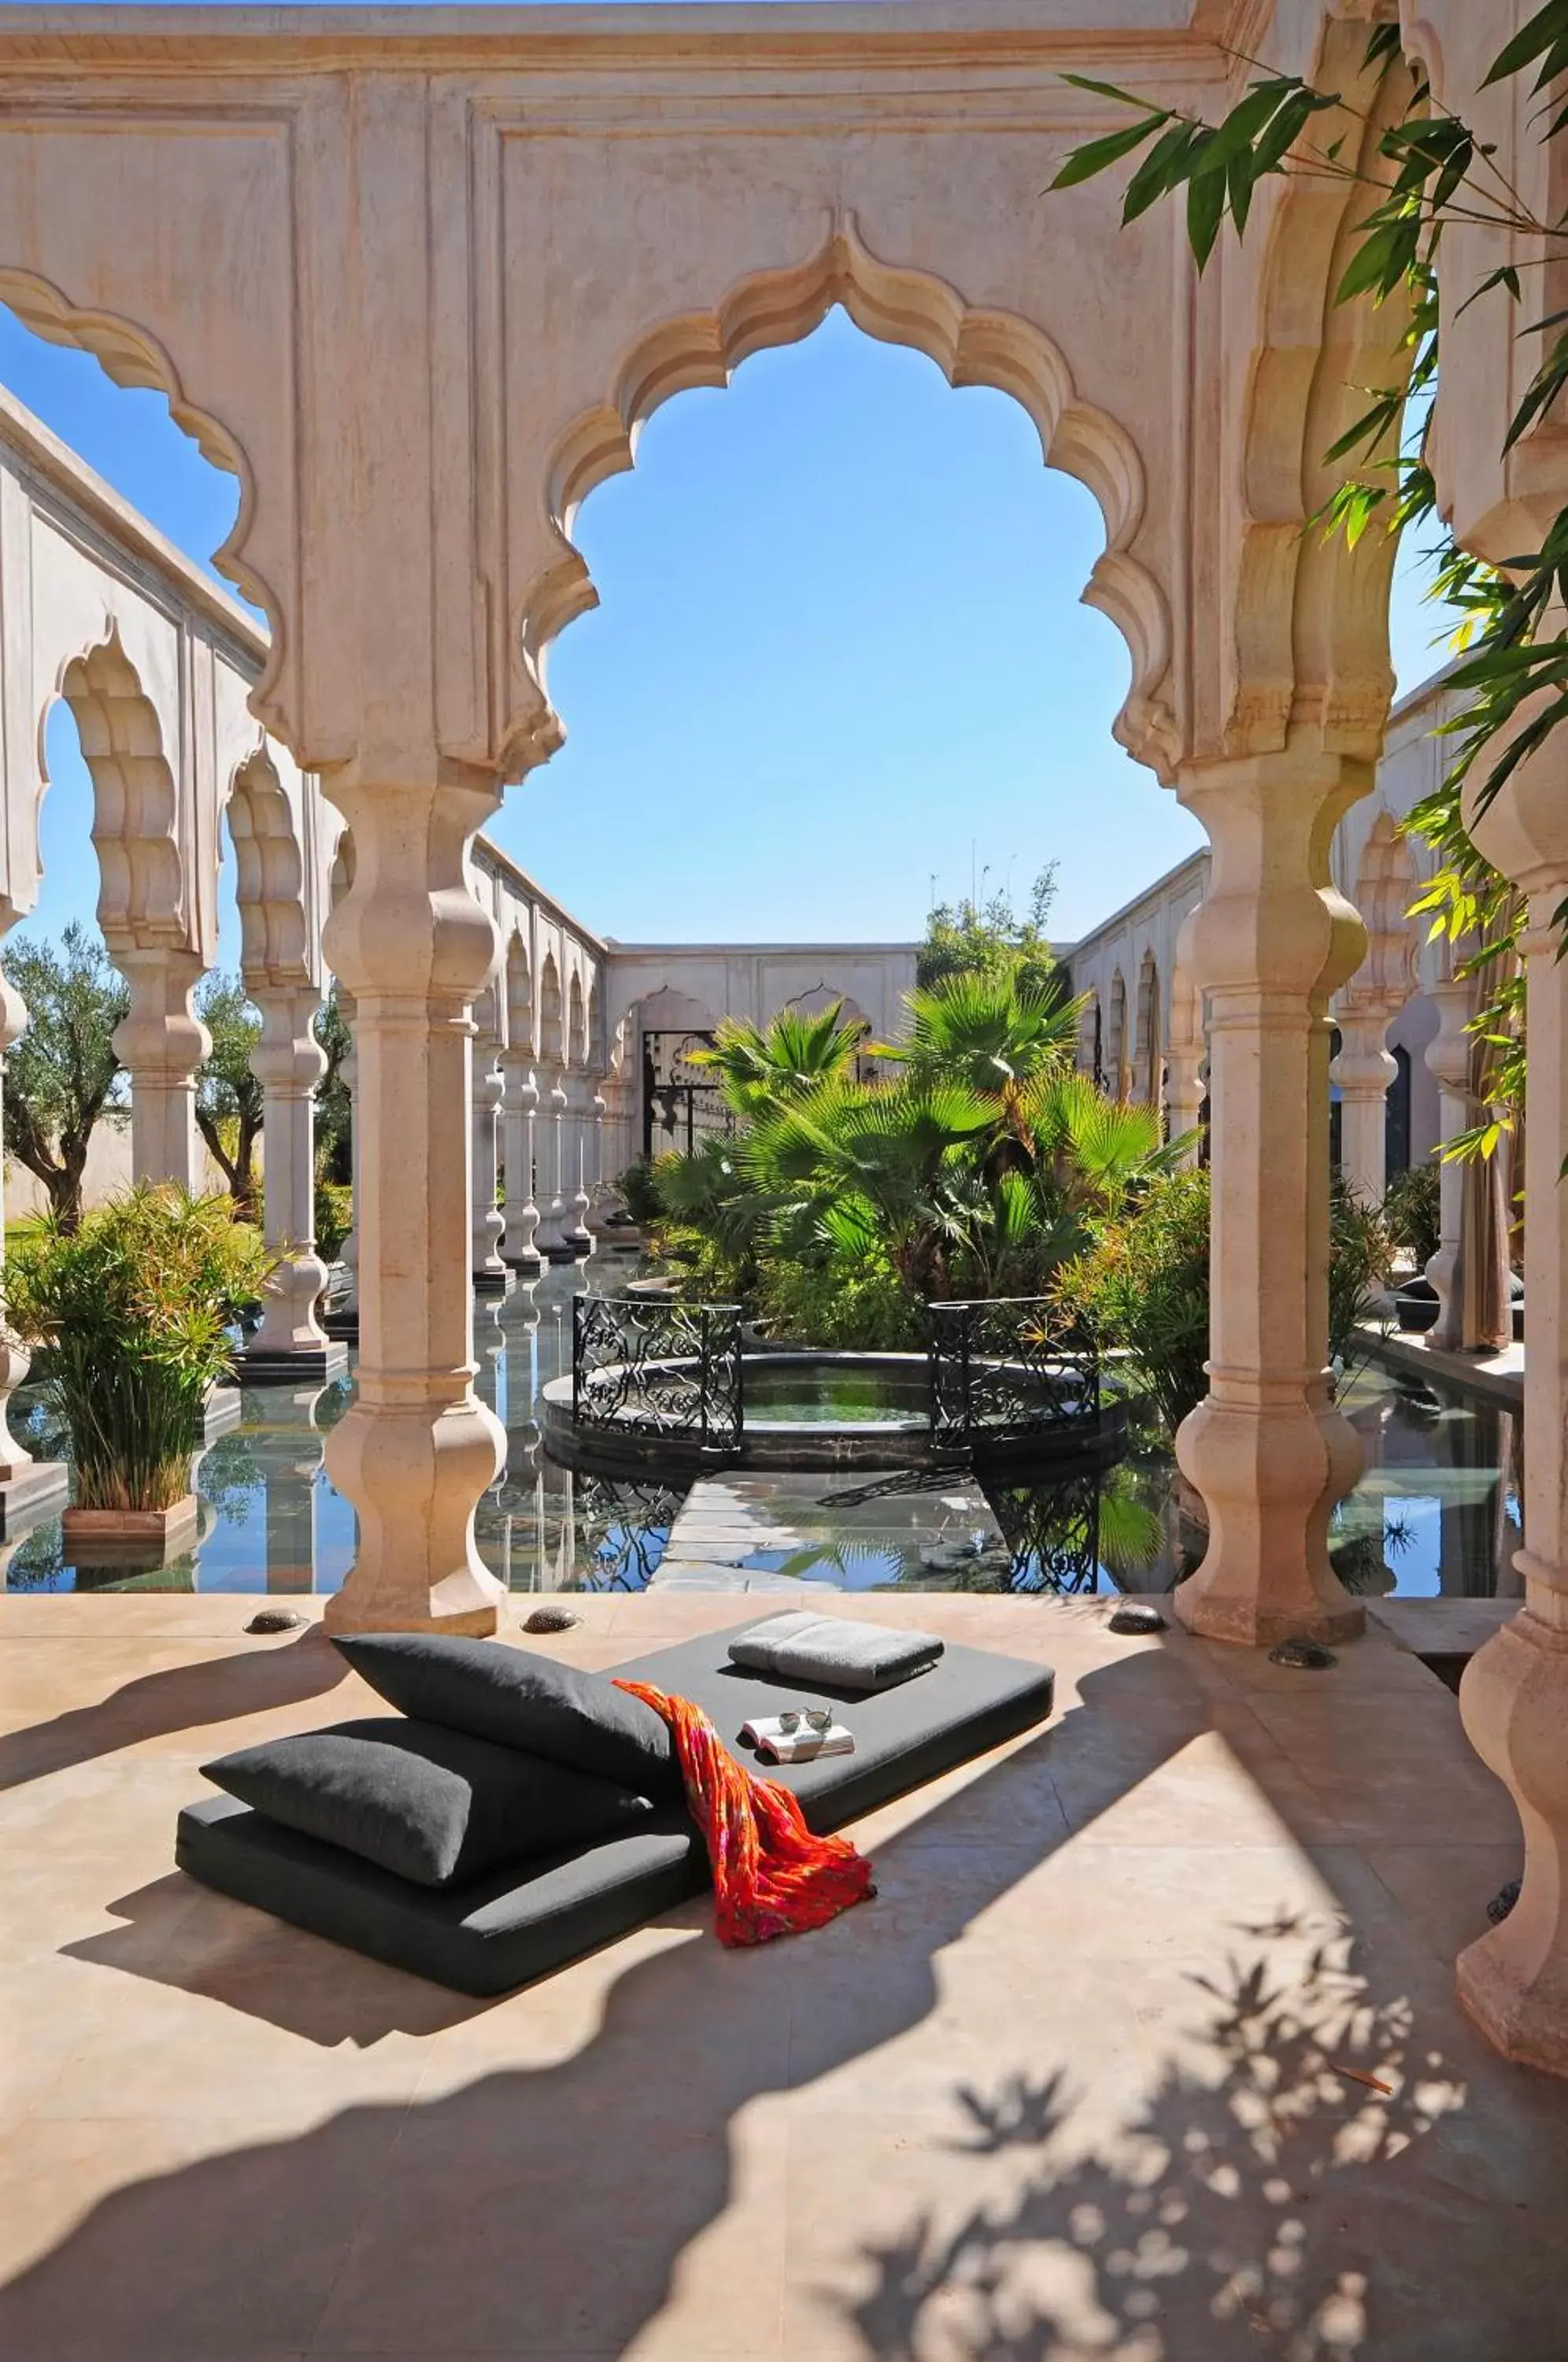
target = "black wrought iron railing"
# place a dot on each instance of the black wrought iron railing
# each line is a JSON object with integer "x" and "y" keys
{"x": 652, "y": 1365}
{"x": 1009, "y": 1370}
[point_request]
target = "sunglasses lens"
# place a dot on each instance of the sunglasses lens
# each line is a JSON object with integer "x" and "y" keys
{"x": 790, "y": 1720}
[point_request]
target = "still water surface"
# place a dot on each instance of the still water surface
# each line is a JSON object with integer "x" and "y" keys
{"x": 1436, "y": 1511}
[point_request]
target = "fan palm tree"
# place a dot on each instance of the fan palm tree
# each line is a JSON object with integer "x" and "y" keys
{"x": 991, "y": 1033}
{"x": 760, "y": 1067}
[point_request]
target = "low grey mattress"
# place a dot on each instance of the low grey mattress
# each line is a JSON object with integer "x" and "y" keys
{"x": 518, "y": 1924}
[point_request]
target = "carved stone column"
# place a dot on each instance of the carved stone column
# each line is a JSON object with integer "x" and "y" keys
{"x": 1268, "y": 1450}
{"x": 416, "y": 1448}
{"x": 491, "y": 1275}
{"x": 343, "y": 1320}
{"x": 161, "y": 1043}
{"x": 1363, "y": 1070}
{"x": 519, "y": 1109}
{"x": 584, "y": 1107}
{"x": 1514, "y": 1698}
{"x": 1188, "y": 1050}
{"x": 1448, "y": 1060}
{"x": 27, "y": 1487}
{"x": 288, "y": 1063}
{"x": 551, "y": 1236}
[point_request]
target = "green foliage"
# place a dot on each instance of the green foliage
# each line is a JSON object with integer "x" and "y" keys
{"x": 1144, "y": 1285}
{"x": 865, "y": 1309}
{"x": 63, "y": 1073}
{"x": 971, "y": 938}
{"x": 229, "y": 1098}
{"x": 640, "y": 1192}
{"x": 1361, "y": 1256}
{"x": 839, "y": 1208}
{"x": 991, "y": 1030}
{"x": 333, "y": 1216}
{"x": 1430, "y": 171}
{"x": 334, "y": 1107}
{"x": 773, "y": 1067}
{"x": 1412, "y": 1212}
{"x": 130, "y": 1307}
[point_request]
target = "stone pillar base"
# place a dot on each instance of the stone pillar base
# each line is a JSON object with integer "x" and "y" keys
{"x": 1246, "y": 1624}
{"x": 309, "y": 1364}
{"x": 527, "y": 1262}
{"x": 1514, "y": 1698}
{"x": 494, "y": 1283}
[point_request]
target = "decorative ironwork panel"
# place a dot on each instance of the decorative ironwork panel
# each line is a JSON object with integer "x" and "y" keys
{"x": 682, "y": 1104}
{"x": 1052, "y": 1532}
{"x": 624, "y": 1530}
{"x": 1008, "y": 1368}
{"x": 652, "y": 1365}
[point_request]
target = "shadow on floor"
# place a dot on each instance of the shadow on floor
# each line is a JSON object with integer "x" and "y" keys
{"x": 180, "y": 1697}
{"x": 1270, "y": 2197}
{"x": 1271, "y": 2193}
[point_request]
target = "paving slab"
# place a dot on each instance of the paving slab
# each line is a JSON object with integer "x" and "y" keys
{"x": 1147, "y": 2046}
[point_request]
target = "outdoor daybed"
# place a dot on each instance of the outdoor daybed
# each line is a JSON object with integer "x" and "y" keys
{"x": 517, "y": 1923}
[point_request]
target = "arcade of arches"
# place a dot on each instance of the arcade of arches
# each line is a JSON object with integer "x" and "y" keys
{"x": 321, "y": 236}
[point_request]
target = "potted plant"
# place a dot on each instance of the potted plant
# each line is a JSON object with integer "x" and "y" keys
{"x": 127, "y": 1317}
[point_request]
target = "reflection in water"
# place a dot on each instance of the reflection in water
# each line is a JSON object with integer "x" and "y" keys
{"x": 1436, "y": 1511}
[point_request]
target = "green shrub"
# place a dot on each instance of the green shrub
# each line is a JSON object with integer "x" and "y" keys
{"x": 1360, "y": 1255}
{"x": 639, "y": 1190}
{"x": 1144, "y": 1285}
{"x": 334, "y": 1218}
{"x": 132, "y": 1310}
{"x": 866, "y": 1311}
{"x": 1412, "y": 1212}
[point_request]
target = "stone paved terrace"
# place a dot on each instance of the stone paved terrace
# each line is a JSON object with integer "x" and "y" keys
{"x": 1145, "y": 2052}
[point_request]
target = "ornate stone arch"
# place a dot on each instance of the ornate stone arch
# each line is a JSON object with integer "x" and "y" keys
{"x": 552, "y": 1041}
{"x": 577, "y": 1024}
{"x": 144, "y": 896}
{"x": 133, "y": 357}
{"x": 1116, "y": 1036}
{"x": 1148, "y": 1054}
{"x": 519, "y": 997}
{"x": 1386, "y": 887}
{"x": 1310, "y": 609}
{"x": 275, "y": 946}
{"x": 971, "y": 346}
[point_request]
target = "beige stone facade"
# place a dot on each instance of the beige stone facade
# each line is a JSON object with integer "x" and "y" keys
{"x": 416, "y": 278}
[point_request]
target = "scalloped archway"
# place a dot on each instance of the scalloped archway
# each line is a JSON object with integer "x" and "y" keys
{"x": 132, "y": 357}
{"x": 971, "y": 346}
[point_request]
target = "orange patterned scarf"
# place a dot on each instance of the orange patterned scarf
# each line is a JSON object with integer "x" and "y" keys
{"x": 771, "y": 1876}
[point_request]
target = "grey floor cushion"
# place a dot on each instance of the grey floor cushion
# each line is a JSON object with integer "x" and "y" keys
{"x": 517, "y": 1923}
{"x": 425, "y": 1803}
{"x": 520, "y": 1698}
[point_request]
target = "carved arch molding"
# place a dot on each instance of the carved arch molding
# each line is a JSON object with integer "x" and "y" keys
{"x": 325, "y": 243}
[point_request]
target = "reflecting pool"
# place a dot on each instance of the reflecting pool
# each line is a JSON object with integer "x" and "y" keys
{"x": 1436, "y": 1511}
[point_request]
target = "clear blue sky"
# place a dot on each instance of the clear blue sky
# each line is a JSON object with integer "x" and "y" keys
{"x": 840, "y": 653}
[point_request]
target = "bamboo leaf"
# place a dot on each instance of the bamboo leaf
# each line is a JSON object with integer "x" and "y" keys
{"x": 1098, "y": 155}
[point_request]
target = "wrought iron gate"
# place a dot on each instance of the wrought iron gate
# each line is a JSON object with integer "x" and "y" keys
{"x": 682, "y": 1105}
{"x": 651, "y": 1366}
{"x": 1009, "y": 1370}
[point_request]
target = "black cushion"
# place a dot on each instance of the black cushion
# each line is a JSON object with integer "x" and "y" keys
{"x": 517, "y": 1923}
{"x": 427, "y": 1803}
{"x": 518, "y": 1698}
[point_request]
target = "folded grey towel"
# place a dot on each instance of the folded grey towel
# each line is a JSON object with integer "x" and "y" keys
{"x": 843, "y": 1656}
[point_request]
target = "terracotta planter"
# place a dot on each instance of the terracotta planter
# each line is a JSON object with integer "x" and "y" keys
{"x": 148, "y": 1537}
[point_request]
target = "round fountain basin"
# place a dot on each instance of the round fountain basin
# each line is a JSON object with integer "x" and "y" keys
{"x": 803, "y": 1409}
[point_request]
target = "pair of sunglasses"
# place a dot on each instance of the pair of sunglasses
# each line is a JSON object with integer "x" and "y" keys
{"x": 813, "y": 1717}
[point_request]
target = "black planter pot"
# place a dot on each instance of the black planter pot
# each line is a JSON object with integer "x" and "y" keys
{"x": 1416, "y": 1306}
